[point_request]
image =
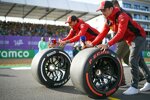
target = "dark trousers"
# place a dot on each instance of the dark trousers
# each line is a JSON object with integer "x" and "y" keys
{"x": 135, "y": 59}
{"x": 123, "y": 53}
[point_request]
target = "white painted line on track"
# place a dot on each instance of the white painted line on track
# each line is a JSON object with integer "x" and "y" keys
{"x": 21, "y": 68}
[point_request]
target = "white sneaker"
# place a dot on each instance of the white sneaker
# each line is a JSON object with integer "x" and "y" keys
{"x": 146, "y": 87}
{"x": 131, "y": 91}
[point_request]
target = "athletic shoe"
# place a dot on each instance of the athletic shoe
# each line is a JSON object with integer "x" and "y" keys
{"x": 146, "y": 87}
{"x": 131, "y": 91}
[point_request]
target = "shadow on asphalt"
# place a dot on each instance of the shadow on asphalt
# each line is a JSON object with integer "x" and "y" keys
{"x": 73, "y": 90}
{"x": 6, "y": 75}
{"x": 117, "y": 95}
{"x": 68, "y": 89}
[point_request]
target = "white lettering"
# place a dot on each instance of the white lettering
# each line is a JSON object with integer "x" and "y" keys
{"x": 14, "y": 54}
{"x": 51, "y": 53}
{"x": 4, "y": 54}
{"x": 20, "y": 54}
{"x": 148, "y": 54}
{"x": 18, "y": 42}
{"x": 33, "y": 43}
{"x": 26, "y": 54}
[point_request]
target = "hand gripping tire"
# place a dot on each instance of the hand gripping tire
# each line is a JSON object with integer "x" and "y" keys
{"x": 96, "y": 73}
{"x": 51, "y": 67}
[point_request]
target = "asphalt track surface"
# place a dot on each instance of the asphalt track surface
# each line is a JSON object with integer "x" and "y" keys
{"x": 18, "y": 84}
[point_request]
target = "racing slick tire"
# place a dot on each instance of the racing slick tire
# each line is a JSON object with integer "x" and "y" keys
{"x": 96, "y": 73}
{"x": 51, "y": 67}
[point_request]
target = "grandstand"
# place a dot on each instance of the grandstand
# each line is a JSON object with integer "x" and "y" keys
{"x": 28, "y": 29}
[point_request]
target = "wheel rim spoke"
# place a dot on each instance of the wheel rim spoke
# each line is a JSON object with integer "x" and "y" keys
{"x": 56, "y": 67}
{"x": 103, "y": 76}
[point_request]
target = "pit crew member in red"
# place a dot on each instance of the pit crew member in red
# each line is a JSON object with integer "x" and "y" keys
{"x": 130, "y": 31}
{"x": 78, "y": 28}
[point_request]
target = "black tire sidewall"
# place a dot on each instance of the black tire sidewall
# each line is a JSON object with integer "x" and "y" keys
{"x": 41, "y": 75}
{"x": 90, "y": 90}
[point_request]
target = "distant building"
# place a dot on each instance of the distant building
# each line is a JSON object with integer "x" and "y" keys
{"x": 140, "y": 11}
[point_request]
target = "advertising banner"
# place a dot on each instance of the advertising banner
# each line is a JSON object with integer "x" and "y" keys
{"x": 146, "y": 54}
{"x": 33, "y": 43}
{"x": 16, "y": 54}
{"x": 18, "y": 42}
{"x": 22, "y": 43}
{"x": 23, "y": 46}
{"x": 2, "y": 42}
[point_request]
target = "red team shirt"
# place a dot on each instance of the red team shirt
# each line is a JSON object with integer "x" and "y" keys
{"x": 81, "y": 29}
{"x": 120, "y": 28}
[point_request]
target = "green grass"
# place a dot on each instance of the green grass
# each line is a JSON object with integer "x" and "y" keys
{"x": 14, "y": 65}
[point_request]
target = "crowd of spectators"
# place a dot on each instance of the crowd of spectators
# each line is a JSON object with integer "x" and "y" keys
{"x": 28, "y": 29}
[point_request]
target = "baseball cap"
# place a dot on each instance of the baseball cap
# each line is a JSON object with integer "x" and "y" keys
{"x": 71, "y": 18}
{"x": 114, "y": 1}
{"x": 105, "y": 4}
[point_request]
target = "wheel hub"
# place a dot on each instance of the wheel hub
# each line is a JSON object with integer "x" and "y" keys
{"x": 98, "y": 72}
{"x": 52, "y": 67}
